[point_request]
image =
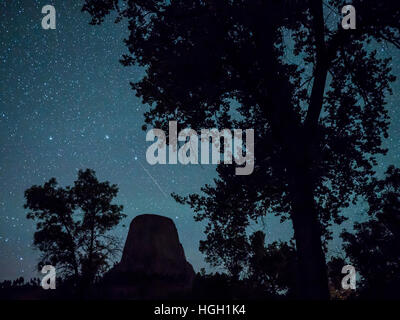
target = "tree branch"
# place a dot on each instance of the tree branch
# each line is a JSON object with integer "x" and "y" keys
{"x": 321, "y": 66}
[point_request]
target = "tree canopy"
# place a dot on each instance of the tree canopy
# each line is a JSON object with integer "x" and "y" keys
{"x": 73, "y": 225}
{"x": 314, "y": 93}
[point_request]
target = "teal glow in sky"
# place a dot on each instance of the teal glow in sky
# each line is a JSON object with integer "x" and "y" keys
{"x": 66, "y": 104}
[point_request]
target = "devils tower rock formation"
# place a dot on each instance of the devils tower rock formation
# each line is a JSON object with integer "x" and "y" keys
{"x": 153, "y": 262}
{"x": 153, "y": 248}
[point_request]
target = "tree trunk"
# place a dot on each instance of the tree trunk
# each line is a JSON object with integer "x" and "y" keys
{"x": 90, "y": 275}
{"x": 312, "y": 279}
{"x": 312, "y": 274}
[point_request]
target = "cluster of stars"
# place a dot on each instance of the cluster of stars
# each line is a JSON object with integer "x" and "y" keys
{"x": 68, "y": 105}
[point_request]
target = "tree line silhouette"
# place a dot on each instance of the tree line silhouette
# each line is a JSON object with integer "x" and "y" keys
{"x": 315, "y": 95}
{"x": 252, "y": 269}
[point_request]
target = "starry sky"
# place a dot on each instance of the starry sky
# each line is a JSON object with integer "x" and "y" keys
{"x": 66, "y": 104}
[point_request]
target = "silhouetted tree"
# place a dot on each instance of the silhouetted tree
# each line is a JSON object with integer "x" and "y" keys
{"x": 227, "y": 242}
{"x": 5, "y": 284}
{"x": 73, "y": 224}
{"x": 374, "y": 248}
{"x": 18, "y": 282}
{"x": 273, "y": 267}
{"x": 313, "y": 92}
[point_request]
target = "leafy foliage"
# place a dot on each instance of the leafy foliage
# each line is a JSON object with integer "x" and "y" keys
{"x": 272, "y": 267}
{"x": 374, "y": 248}
{"x": 314, "y": 93}
{"x": 73, "y": 224}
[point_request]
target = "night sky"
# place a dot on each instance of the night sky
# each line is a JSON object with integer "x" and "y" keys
{"x": 66, "y": 104}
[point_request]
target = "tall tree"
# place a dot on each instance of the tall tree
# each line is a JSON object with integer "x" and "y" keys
{"x": 73, "y": 225}
{"x": 313, "y": 92}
